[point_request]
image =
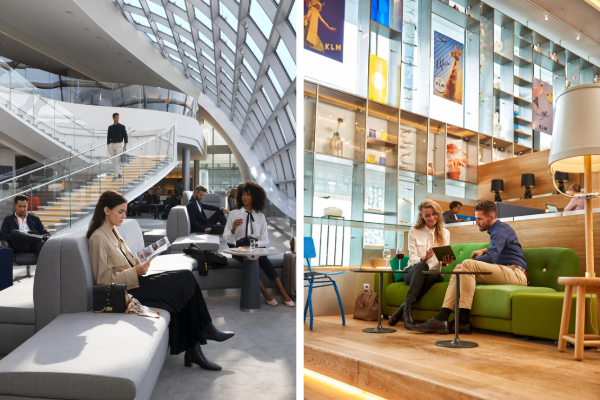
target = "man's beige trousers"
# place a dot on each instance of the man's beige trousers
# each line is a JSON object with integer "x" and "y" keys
{"x": 501, "y": 275}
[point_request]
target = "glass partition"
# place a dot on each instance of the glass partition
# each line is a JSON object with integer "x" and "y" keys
{"x": 341, "y": 121}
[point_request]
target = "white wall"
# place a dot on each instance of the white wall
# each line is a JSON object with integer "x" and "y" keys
{"x": 7, "y": 157}
{"x": 189, "y": 131}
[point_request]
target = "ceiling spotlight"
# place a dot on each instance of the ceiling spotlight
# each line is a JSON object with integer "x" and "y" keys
{"x": 546, "y": 16}
{"x": 578, "y": 35}
{"x": 242, "y": 51}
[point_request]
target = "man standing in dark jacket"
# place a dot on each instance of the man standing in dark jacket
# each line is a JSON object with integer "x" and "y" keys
{"x": 117, "y": 135}
{"x": 24, "y": 232}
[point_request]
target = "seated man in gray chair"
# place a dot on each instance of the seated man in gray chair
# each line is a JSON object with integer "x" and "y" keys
{"x": 199, "y": 222}
{"x": 24, "y": 232}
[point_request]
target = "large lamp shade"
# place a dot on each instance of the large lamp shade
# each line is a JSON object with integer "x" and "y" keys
{"x": 576, "y": 130}
{"x": 561, "y": 176}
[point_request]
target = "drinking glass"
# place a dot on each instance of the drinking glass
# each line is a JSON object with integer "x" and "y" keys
{"x": 387, "y": 255}
{"x": 399, "y": 254}
{"x": 252, "y": 244}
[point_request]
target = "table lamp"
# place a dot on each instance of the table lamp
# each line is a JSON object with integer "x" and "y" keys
{"x": 561, "y": 178}
{"x": 575, "y": 149}
{"x": 527, "y": 181}
{"x": 497, "y": 186}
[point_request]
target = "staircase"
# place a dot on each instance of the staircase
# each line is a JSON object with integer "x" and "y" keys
{"x": 65, "y": 199}
{"x": 47, "y": 116}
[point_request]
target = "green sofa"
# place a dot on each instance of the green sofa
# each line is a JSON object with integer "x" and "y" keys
{"x": 494, "y": 306}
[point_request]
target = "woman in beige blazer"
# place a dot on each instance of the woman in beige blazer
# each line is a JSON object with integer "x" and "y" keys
{"x": 176, "y": 291}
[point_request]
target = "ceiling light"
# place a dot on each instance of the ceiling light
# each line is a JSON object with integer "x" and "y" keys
{"x": 546, "y": 16}
{"x": 578, "y": 36}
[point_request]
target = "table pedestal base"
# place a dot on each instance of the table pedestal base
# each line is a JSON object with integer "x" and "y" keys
{"x": 250, "y": 298}
{"x": 379, "y": 330}
{"x": 456, "y": 344}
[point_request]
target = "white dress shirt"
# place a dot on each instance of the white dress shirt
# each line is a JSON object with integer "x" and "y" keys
{"x": 421, "y": 240}
{"x": 256, "y": 229}
{"x": 23, "y": 227}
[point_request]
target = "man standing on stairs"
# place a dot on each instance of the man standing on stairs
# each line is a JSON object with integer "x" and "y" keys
{"x": 117, "y": 136}
{"x": 24, "y": 232}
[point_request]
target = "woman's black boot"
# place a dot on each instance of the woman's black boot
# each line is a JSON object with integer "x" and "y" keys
{"x": 194, "y": 355}
{"x": 210, "y": 332}
{"x": 394, "y": 319}
{"x": 408, "y": 317}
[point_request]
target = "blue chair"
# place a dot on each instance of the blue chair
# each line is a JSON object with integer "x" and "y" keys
{"x": 320, "y": 279}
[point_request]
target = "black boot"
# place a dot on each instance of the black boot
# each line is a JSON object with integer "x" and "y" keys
{"x": 194, "y": 355}
{"x": 408, "y": 317}
{"x": 394, "y": 319}
{"x": 431, "y": 326}
{"x": 210, "y": 332}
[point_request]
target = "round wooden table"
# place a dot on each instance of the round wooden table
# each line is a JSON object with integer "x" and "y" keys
{"x": 250, "y": 298}
{"x": 379, "y": 328}
{"x": 456, "y": 343}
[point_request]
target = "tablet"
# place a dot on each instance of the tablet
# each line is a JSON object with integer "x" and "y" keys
{"x": 442, "y": 251}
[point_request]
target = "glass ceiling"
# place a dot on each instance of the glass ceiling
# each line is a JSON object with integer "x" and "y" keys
{"x": 240, "y": 55}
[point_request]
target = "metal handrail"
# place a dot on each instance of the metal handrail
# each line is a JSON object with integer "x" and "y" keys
{"x": 56, "y": 162}
{"x": 90, "y": 166}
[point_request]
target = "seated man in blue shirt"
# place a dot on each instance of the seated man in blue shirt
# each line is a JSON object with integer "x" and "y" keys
{"x": 24, "y": 232}
{"x": 504, "y": 258}
{"x": 198, "y": 219}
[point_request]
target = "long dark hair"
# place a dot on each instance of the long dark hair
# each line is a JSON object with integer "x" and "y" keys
{"x": 109, "y": 199}
{"x": 259, "y": 196}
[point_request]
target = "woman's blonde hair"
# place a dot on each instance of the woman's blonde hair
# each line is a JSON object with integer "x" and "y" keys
{"x": 438, "y": 235}
{"x": 232, "y": 194}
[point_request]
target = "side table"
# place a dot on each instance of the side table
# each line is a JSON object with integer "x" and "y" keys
{"x": 379, "y": 328}
{"x": 456, "y": 343}
{"x": 250, "y": 298}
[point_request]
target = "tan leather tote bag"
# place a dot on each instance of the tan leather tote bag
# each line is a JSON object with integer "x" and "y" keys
{"x": 365, "y": 306}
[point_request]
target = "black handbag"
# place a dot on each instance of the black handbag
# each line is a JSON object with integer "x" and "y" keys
{"x": 198, "y": 254}
{"x": 112, "y": 298}
{"x": 215, "y": 260}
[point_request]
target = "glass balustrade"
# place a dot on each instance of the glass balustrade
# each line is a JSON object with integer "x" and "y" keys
{"x": 26, "y": 101}
{"x": 65, "y": 191}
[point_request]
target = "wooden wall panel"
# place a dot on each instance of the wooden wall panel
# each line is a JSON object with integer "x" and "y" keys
{"x": 510, "y": 171}
{"x": 567, "y": 231}
{"x": 558, "y": 200}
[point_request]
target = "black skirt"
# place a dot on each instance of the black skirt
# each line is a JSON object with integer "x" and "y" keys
{"x": 178, "y": 293}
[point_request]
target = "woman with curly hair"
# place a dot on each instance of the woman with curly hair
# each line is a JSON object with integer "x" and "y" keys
{"x": 248, "y": 222}
{"x": 427, "y": 233}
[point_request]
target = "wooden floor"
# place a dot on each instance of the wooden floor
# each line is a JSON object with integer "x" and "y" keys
{"x": 408, "y": 365}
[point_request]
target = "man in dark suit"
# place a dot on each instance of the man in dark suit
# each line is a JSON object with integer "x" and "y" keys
{"x": 24, "y": 232}
{"x": 198, "y": 219}
{"x": 117, "y": 134}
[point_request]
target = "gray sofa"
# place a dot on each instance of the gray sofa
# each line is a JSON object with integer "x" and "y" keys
{"x": 58, "y": 349}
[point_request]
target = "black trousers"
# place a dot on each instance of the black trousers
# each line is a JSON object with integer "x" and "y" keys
{"x": 265, "y": 264}
{"x": 418, "y": 282}
{"x": 218, "y": 216}
{"x": 178, "y": 293}
{"x": 25, "y": 243}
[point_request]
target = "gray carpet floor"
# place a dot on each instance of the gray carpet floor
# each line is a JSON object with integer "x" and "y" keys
{"x": 259, "y": 362}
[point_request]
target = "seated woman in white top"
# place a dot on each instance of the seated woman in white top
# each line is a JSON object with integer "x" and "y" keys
{"x": 427, "y": 233}
{"x": 575, "y": 204}
{"x": 248, "y": 222}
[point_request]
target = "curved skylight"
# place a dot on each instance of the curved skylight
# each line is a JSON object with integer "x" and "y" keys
{"x": 240, "y": 55}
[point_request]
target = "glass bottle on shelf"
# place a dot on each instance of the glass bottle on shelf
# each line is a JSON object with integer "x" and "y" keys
{"x": 336, "y": 145}
{"x": 596, "y": 79}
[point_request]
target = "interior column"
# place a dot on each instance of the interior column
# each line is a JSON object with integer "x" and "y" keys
{"x": 185, "y": 168}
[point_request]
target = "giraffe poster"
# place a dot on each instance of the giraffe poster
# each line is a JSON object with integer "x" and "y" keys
{"x": 448, "y": 68}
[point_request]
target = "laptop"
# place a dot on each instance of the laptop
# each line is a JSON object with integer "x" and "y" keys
{"x": 551, "y": 208}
